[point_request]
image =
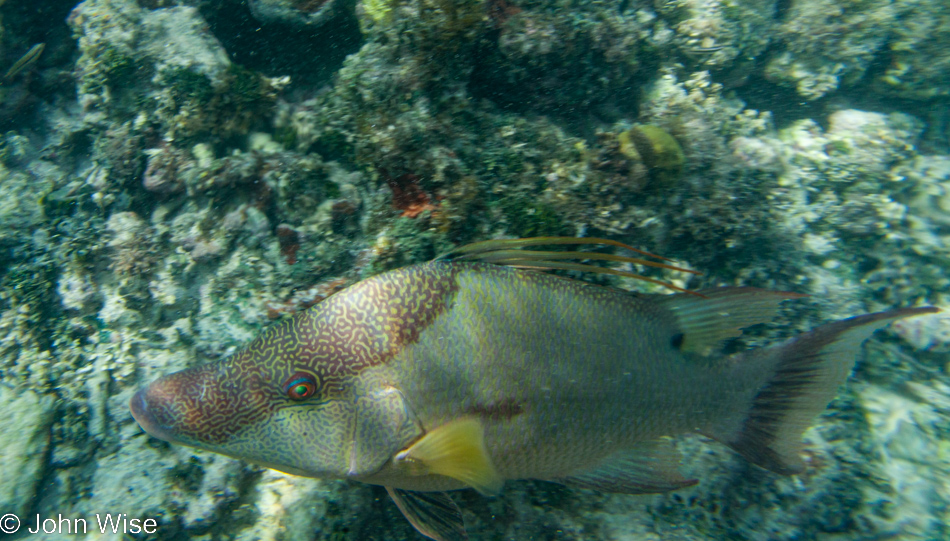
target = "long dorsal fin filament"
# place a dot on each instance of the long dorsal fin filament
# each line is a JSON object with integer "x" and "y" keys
{"x": 514, "y": 244}
{"x": 510, "y": 252}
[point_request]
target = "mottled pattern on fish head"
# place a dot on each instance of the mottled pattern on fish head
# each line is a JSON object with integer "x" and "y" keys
{"x": 312, "y": 395}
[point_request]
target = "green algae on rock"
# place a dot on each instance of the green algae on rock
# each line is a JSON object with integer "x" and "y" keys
{"x": 657, "y": 149}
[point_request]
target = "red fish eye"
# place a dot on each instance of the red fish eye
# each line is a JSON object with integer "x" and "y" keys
{"x": 300, "y": 386}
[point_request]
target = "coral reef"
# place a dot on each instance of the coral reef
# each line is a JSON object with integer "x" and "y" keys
{"x": 720, "y": 35}
{"x": 559, "y": 59}
{"x": 851, "y": 38}
{"x": 825, "y": 45}
{"x": 161, "y": 70}
{"x": 163, "y": 198}
{"x": 918, "y": 61}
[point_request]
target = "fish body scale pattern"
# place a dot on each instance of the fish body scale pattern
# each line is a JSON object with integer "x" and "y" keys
{"x": 563, "y": 373}
{"x": 335, "y": 341}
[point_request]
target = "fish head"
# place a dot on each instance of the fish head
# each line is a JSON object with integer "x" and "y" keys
{"x": 311, "y": 396}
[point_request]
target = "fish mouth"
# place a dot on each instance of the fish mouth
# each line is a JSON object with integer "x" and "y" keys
{"x": 143, "y": 415}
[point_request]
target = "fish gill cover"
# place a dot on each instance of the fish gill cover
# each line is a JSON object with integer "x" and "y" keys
{"x": 177, "y": 176}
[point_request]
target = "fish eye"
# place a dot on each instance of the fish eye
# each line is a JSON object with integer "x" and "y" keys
{"x": 300, "y": 386}
{"x": 677, "y": 340}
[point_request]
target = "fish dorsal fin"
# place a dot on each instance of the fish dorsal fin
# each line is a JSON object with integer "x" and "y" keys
{"x": 433, "y": 514}
{"x": 457, "y": 450}
{"x": 509, "y": 252}
{"x": 722, "y": 313}
{"x": 647, "y": 468}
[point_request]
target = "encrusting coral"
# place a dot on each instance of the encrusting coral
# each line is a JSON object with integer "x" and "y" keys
{"x": 171, "y": 203}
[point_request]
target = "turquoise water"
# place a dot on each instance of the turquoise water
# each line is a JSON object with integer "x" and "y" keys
{"x": 177, "y": 175}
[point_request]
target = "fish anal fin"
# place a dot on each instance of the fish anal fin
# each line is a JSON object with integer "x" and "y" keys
{"x": 457, "y": 450}
{"x": 434, "y": 514}
{"x": 721, "y": 313}
{"x": 647, "y": 468}
{"x": 803, "y": 376}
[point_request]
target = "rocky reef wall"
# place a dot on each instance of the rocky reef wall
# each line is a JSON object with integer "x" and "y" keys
{"x": 177, "y": 175}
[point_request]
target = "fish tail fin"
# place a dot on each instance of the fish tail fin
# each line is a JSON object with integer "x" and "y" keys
{"x": 798, "y": 379}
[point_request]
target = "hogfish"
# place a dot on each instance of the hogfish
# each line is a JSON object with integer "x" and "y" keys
{"x": 476, "y": 368}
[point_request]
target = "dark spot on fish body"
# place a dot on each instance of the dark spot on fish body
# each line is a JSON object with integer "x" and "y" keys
{"x": 497, "y": 411}
{"x": 677, "y": 340}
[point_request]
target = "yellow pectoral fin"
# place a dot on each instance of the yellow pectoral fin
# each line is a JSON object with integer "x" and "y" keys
{"x": 456, "y": 450}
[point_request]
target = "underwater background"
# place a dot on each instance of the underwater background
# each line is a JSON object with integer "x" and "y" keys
{"x": 176, "y": 175}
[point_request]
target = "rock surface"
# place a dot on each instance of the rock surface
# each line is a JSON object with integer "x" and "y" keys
{"x": 23, "y": 447}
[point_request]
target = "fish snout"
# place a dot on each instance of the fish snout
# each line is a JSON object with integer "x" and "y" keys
{"x": 142, "y": 414}
{"x": 143, "y": 405}
{"x": 200, "y": 406}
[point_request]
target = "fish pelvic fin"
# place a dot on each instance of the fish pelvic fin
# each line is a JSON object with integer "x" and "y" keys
{"x": 433, "y": 514}
{"x": 457, "y": 450}
{"x": 804, "y": 377}
{"x": 721, "y": 313}
{"x": 648, "y": 467}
